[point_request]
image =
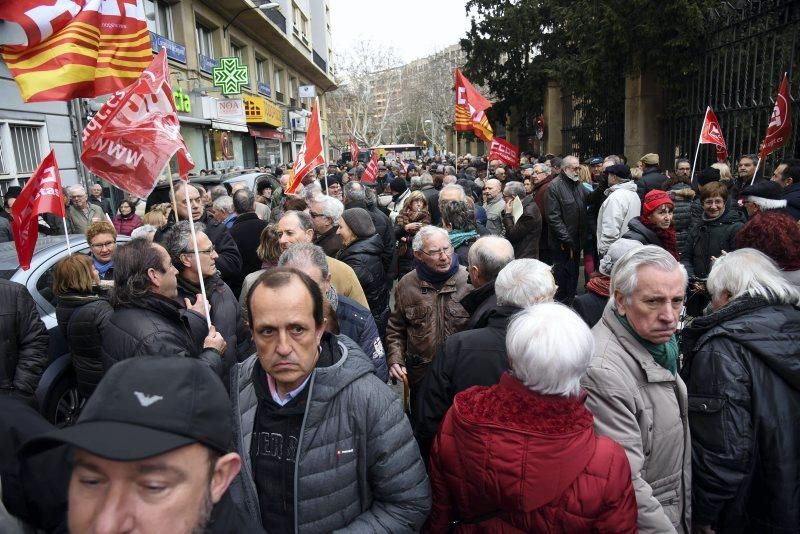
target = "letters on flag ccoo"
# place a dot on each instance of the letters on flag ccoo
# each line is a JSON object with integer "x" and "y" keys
{"x": 504, "y": 151}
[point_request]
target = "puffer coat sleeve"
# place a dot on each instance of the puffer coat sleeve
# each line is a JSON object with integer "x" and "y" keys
{"x": 31, "y": 339}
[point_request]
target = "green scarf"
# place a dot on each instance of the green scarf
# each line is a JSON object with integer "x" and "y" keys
{"x": 458, "y": 237}
{"x": 665, "y": 355}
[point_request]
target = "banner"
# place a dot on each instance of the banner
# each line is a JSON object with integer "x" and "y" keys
{"x": 371, "y": 172}
{"x": 712, "y": 134}
{"x": 70, "y": 49}
{"x": 504, "y": 151}
{"x": 135, "y": 134}
{"x": 311, "y": 155}
{"x": 354, "y": 150}
{"x": 780, "y": 124}
{"x": 470, "y": 106}
{"x": 41, "y": 194}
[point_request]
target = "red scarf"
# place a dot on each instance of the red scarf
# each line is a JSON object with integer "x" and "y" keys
{"x": 600, "y": 285}
{"x": 667, "y": 236}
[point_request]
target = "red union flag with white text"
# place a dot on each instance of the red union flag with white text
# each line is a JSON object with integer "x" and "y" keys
{"x": 711, "y": 134}
{"x": 310, "y": 156}
{"x": 372, "y": 169}
{"x": 135, "y": 134}
{"x": 780, "y": 124}
{"x": 41, "y": 194}
{"x": 354, "y": 151}
{"x": 504, "y": 151}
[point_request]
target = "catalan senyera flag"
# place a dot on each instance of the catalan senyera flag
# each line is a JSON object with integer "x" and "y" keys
{"x": 470, "y": 107}
{"x": 73, "y": 48}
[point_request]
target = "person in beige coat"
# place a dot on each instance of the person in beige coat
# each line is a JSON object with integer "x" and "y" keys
{"x": 634, "y": 391}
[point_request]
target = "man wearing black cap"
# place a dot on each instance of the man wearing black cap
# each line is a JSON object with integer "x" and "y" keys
{"x": 150, "y": 452}
{"x": 765, "y": 195}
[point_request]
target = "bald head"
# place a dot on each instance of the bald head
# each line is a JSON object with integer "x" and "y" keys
{"x": 487, "y": 256}
{"x": 492, "y": 189}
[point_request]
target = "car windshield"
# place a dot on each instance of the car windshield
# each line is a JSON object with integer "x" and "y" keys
{"x": 9, "y": 263}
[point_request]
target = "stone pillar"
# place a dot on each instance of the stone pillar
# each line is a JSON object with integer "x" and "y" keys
{"x": 553, "y": 141}
{"x": 642, "y": 111}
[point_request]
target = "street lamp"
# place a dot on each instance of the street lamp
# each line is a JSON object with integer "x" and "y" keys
{"x": 263, "y": 7}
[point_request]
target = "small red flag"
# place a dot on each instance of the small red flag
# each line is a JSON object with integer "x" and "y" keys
{"x": 354, "y": 151}
{"x": 372, "y": 170}
{"x": 712, "y": 134}
{"x": 780, "y": 124}
{"x": 504, "y": 151}
{"x": 311, "y": 155}
{"x": 41, "y": 194}
{"x": 135, "y": 134}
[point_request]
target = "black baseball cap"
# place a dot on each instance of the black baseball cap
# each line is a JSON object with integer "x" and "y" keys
{"x": 146, "y": 406}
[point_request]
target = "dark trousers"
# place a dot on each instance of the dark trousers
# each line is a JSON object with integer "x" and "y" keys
{"x": 566, "y": 271}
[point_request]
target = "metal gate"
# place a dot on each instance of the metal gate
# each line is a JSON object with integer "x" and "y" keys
{"x": 592, "y": 130}
{"x": 754, "y": 44}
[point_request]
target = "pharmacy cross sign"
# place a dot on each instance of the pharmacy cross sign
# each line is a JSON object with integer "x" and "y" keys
{"x": 230, "y": 76}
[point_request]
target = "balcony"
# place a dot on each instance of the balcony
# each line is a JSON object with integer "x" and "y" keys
{"x": 275, "y": 16}
{"x": 319, "y": 62}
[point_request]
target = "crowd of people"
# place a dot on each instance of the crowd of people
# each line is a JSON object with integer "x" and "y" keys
{"x": 456, "y": 346}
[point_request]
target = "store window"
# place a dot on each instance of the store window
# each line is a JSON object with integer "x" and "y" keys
{"x": 159, "y": 17}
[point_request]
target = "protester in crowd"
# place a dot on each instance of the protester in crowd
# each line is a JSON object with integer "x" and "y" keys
{"x": 149, "y": 452}
{"x": 413, "y": 215}
{"x": 82, "y": 312}
{"x": 102, "y": 239}
{"x": 682, "y": 173}
{"x": 9, "y": 198}
{"x": 585, "y": 176}
{"x": 357, "y": 196}
{"x": 478, "y": 357}
{"x": 96, "y": 198}
{"x": 126, "y": 221}
{"x": 353, "y": 320}
{"x": 362, "y": 249}
{"x": 746, "y": 170}
{"x": 777, "y": 235}
{"x": 431, "y": 195}
{"x": 325, "y": 212}
{"x": 81, "y": 213}
{"x": 261, "y": 209}
{"x": 269, "y": 252}
{"x": 566, "y": 215}
{"x": 487, "y": 257}
{"x": 25, "y": 342}
{"x": 654, "y": 225}
{"x": 224, "y": 307}
{"x": 223, "y": 212}
{"x": 146, "y": 231}
{"x": 680, "y": 190}
{"x": 147, "y": 319}
{"x": 155, "y": 218}
{"x": 494, "y": 205}
{"x": 651, "y": 175}
{"x": 541, "y": 183}
{"x": 538, "y": 462}
{"x": 458, "y": 219}
{"x": 741, "y": 373}
{"x": 521, "y": 230}
{"x": 527, "y": 181}
{"x": 246, "y": 233}
{"x": 763, "y": 196}
{"x": 787, "y": 175}
{"x": 346, "y": 459}
{"x": 590, "y": 305}
{"x": 621, "y": 205}
{"x": 634, "y": 391}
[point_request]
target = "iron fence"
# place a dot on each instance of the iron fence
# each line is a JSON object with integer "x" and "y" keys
{"x": 591, "y": 129}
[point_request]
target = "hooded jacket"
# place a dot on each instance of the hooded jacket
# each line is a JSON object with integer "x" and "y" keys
{"x": 639, "y": 232}
{"x": 534, "y": 466}
{"x": 615, "y": 214}
{"x": 743, "y": 377}
{"x": 710, "y": 238}
{"x": 682, "y": 195}
{"x": 357, "y": 465}
{"x": 364, "y": 257}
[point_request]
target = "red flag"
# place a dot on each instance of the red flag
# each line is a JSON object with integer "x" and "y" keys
{"x": 41, "y": 194}
{"x": 354, "y": 150}
{"x": 372, "y": 170}
{"x": 402, "y": 163}
{"x": 504, "y": 151}
{"x": 712, "y": 134}
{"x": 780, "y": 125}
{"x": 470, "y": 106}
{"x": 134, "y": 135}
{"x": 310, "y": 156}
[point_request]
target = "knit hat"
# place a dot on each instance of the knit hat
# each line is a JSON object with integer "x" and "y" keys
{"x": 649, "y": 159}
{"x": 617, "y": 249}
{"x": 766, "y": 194}
{"x": 708, "y": 175}
{"x": 654, "y": 199}
{"x": 398, "y": 185}
{"x": 623, "y": 172}
{"x": 359, "y": 222}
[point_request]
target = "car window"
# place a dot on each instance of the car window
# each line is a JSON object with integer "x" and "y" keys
{"x": 44, "y": 285}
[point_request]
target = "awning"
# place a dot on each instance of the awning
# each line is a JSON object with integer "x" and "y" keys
{"x": 230, "y": 126}
{"x": 194, "y": 120}
{"x": 266, "y": 133}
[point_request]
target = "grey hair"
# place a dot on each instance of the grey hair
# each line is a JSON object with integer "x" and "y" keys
{"x": 541, "y": 356}
{"x": 449, "y": 169}
{"x": 748, "y": 271}
{"x": 303, "y": 219}
{"x": 224, "y": 203}
{"x": 614, "y": 158}
{"x": 569, "y": 159}
{"x": 244, "y": 201}
{"x": 75, "y": 188}
{"x": 331, "y": 207}
{"x": 305, "y": 254}
{"x": 425, "y": 233}
{"x": 524, "y": 282}
{"x": 217, "y": 191}
{"x": 146, "y": 231}
{"x": 454, "y": 187}
{"x": 625, "y": 274}
{"x": 426, "y": 179}
{"x": 178, "y": 239}
{"x": 355, "y": 191}
{"x": 416, "y": 182}
{"x": 490, "y": 254}
{"x": 515, "y": 189}
{"x": 545, "y": 168}
{"x": 311, "y": 190}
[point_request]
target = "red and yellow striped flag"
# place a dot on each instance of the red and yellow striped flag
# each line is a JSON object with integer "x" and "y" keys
{"x": 470, "y": 106}
{"x": 74, "y": 49}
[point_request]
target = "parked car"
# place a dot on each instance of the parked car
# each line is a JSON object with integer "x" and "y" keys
{"x": 57, "y": 394}
{"x": 251, "y": 179}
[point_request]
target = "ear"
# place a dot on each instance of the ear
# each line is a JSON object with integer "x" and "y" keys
{"x": 310, "y": 234}
{"x": 225, "y": 471}
{"x": 153, "y": 275}
{"x": 620, "y": 303}
{"x": 186, "y": 260}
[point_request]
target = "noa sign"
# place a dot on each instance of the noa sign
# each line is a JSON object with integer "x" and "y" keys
{"x": 231, "y": 110}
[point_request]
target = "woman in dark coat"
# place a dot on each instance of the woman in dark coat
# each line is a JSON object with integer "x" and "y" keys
{"x": 680, "y": 189}
{"x": 411, "y": 218}
{"x": 742, "y": 373}
{"x": 82, "y": 312}
{"x": 362, "y": 251}
{"x": 126, "y": 221}
{"x": 654, "y": 225}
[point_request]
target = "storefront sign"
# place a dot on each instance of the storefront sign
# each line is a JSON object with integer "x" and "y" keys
{"x": 259, "y": 110}
{"x": 231, "y": 110}
{"x": 207, "y": 64}
{"x": 174, "y": 50}
{"x": 266, "y": 133}
{"x": 182, "y": 102}
{"x": 264, "y": 89}
{"x": 230, "y": 76}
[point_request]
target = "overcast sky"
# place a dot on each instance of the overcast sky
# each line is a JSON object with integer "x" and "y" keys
{"x": 415, "y": 28}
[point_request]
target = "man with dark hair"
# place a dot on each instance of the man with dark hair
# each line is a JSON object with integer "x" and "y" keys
{"x": 246, "y": 232}
{"x": 787, "y": 174}
{"x": 328, "y": 444}
{"x": 147, "y": 319}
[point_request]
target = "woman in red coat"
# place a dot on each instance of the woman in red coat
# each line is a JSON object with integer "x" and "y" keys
{"x": 522, "y": 456}
{"x": 126, "y": 221}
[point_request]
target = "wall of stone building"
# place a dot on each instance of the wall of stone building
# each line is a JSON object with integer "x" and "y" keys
{"x": 643, "y": 104}
{"x": 553, "y": 119}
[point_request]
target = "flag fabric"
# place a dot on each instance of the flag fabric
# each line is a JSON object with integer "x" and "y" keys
{"x": 402, "y": 163}
{"x": 470, "y": 107}
{"x": 41, "y": 194}
{"x": 354, "y": 150}
{"x": 135, "y": 134}
{"x": 371, "y": 172}
{"x": 711, "y": 134}
{"x": 74, "y": 49}
{"x": 311, "y": 154}
{"x": 780, "y": 124}
{"x": 505, "y": 152}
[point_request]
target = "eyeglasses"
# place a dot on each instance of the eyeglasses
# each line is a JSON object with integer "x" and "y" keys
{"x": 101, "y": 246}
{"x": 75, "y": 197}
{"x": 209, "y": 251}
{"x": 315, "y": 214}
{"x": 447, "y": 251}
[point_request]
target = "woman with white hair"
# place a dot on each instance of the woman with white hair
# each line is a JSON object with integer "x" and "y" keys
{"x": 523, "y": 455}
{"x": 743, "y": 375}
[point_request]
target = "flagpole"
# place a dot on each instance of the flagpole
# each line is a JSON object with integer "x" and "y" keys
{"x": 699, "y": 138}
{"x": 172, "y": 194}
{"x": 66, "y": 233}
{"x": 196, "y": 253}
{"x": 758, "y": 164}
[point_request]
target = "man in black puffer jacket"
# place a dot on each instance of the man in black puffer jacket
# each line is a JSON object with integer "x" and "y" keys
{"x": 23, "y": 350}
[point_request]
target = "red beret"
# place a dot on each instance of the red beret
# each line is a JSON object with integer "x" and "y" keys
{"x": 654, "y": 199}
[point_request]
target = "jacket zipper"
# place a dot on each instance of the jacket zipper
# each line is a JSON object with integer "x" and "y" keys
{"x": 300, "y": 447}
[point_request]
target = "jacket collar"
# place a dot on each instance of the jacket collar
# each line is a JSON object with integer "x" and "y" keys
{"x": 476, "y": 297}
{"x": 449, "y": 286}
{"x": 249, "y": 216}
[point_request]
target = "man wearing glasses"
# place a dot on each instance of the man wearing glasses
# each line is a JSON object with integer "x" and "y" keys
{"x": 81, "y": 213}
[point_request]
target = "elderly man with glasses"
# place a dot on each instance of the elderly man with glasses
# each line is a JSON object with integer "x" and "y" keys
{"x": 81, "y": 213}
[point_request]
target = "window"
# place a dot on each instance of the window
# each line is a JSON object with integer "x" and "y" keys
{"x": 279, "y": 84}
{"x": 23, "y": 145}
{"x": 300, "y": 24}
{"x": 159, "y": 17}
{"x": 262, "y": 70}
{"x": 293, "y": 92}
{"x": 205, "y": 41}
{"x": 238, "y": 51}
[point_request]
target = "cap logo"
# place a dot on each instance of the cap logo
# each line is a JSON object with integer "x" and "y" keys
{"x": 147, "y": 400}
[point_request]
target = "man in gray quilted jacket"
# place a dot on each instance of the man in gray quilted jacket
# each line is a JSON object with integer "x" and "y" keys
{"x": 325, "y": 444}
